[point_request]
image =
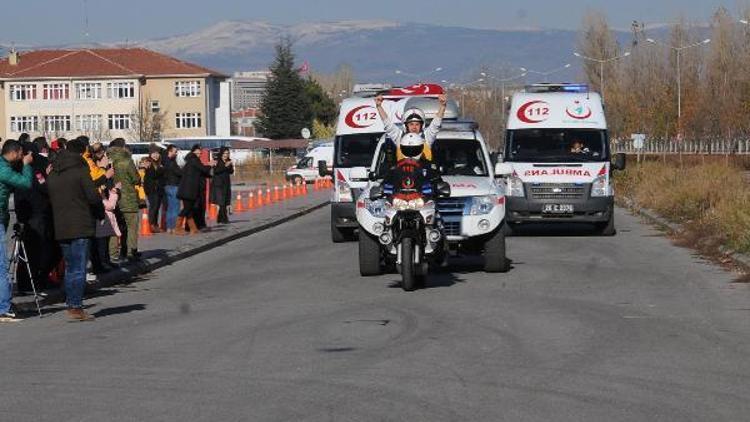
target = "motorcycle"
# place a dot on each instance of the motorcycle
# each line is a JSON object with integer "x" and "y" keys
{"x": 413, "y": 232}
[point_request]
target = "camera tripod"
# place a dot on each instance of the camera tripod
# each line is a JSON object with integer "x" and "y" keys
{"x": 19, "y": 256}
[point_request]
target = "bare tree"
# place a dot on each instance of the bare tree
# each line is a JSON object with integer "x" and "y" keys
{"x": 147, "y": 125}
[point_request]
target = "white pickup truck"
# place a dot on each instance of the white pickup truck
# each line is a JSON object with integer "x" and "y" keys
{"x": 472, "y": 217}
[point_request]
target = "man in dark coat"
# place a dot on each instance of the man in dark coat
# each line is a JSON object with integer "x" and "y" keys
{"x": 221, "y": 185}
{"x": 172, "y": 176}
{"x": 76, "y": 206}
{"x": 193, "y": 174}
{"x": 34, "y": 211}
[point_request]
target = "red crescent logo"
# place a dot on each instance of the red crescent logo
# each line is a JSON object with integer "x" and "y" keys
{"x": 350, "y": 118}
{"x": 521, "y": 113}
{"x": 584, "y": 117}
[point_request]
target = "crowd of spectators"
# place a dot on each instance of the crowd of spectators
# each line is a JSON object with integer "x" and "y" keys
{"x": 78, "y": 206}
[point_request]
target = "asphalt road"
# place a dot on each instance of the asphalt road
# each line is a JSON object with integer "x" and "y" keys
{"x": 280, "y": 327}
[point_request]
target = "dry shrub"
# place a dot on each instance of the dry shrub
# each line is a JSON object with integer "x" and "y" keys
{"x": 256, "y": 170}
{"x": 711, "y": 200}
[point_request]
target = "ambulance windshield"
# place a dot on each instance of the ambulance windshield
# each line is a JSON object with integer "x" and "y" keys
{"x": 356, "y": 150}
{"x": 556, "y": 145}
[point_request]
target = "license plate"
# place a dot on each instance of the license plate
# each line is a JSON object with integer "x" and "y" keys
{"x": 558, "y": 209}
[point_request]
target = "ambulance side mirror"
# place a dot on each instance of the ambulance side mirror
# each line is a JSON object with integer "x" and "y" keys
{"x": 620, "y": 161}
{"x": 443, "y": 190}
{"x": 323, "y": 169}
{"x": 376, "y": 192}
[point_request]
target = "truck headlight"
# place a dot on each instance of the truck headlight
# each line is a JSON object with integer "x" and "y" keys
{"x": 376, "y": 208}
{"x": 345, "y": 192}
{"x": 515, "y": 187}
{"x": 601, "y": 187}
{"x": 481, "y": 205}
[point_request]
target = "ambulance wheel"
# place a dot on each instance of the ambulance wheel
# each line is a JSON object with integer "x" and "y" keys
{"x": 607, "y": 228}
{"x": 298, "y": 180}
{"x": 495, "y": 260}
{"x": 369, "y": 255}
{"x": 507, "y": 228}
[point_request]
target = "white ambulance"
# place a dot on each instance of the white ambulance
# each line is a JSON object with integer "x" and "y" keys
{"x": 558, "y": 154}
{"x": 306, "y": 168}
{"x": 358, "y": 131}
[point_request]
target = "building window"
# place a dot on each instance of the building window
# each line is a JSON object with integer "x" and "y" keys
{"x": 121, "y": 89}
{"x": 89, "y": 122}
{"x": 88, "y": 91}
{"x": 155, "y": 106}
{"x": 24, "y": 124}
{"x": 56, "y": 124}
{"x": 23, "y": 92}
{"x": 187, "y": 88}
{"x": 119, "y": 121}
{"x": 188, "y": 120}
{"x": 56, "y": 91}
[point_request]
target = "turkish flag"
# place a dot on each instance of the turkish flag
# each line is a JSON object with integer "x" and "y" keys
{"x": 417, "y": 90}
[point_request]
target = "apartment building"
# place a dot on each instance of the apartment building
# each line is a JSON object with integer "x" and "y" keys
{"x": 133, "y": 93}
{"x": 248, "y": 89}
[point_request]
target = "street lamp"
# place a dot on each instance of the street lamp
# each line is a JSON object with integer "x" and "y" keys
{"x": 678, "y": 50}
{"x": 601, "y": 62}
{"x": 502, "y": 87}
{"x": 547, "y": 73}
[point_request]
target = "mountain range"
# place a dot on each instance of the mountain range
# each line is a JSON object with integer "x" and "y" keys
{"x": 376, "y": 49}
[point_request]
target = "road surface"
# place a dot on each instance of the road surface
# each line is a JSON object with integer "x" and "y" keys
{"x": 280, "y": 326}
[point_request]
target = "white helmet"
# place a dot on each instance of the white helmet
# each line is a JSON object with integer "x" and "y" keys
{"x": 412, "y": 145}
{"x": 414, "y": 115}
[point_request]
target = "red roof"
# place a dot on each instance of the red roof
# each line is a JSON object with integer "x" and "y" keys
{"x": 99, "y": 62}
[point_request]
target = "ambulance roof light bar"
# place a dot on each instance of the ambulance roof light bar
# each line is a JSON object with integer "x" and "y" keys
{"x": 559, "y": 87}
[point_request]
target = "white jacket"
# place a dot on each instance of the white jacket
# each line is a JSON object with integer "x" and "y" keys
{"x": 430, "y": 133}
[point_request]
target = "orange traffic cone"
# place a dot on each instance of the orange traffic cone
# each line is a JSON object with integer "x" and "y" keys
{"x": 145, "y": 226}
{"x": 259, "y": 201}
{"x": 238, "y": 207}
{"x": 213, "y": 212}
{"x": 285, "y": 193}
{"x": 268, "y": 196}
{"x": 304, "y": 189}
{"x": 276, "y": 196}
{"x": 250, "y": 201}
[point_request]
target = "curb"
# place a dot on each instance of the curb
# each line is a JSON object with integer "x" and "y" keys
{"x": 739, "y": 259}
{"x": 131, "y": 271}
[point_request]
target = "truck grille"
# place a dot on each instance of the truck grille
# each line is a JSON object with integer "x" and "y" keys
{"x": 451, "y": 206}
{"x": 452, "y": 228}
{"x": 557, "y": 191}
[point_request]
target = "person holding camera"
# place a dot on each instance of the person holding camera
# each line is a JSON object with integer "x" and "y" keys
{"x": 12, "y": 153}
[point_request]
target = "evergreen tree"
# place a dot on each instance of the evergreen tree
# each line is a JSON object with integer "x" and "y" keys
{"x": 322, "y": 105}
{"x": 285, "y": 108}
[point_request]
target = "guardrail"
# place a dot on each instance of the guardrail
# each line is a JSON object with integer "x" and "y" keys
{"x": 705, "y": 147}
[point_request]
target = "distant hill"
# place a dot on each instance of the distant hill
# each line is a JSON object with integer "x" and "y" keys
{"x": 375, "y": 49}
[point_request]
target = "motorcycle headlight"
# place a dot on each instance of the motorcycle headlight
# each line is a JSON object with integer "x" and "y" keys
{"x": 482, "y": 204}
{"x": 416, "y": 204}
{"x": 515, "y": 186}
{"x": 601, "y": 187}
{"x": 345, "y": 192}
{"x": 377, "y": 208}
{"x": 399, "y": 204}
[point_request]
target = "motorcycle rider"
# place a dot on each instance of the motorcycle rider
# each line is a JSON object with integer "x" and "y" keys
{"x": 414, "y": 121}
{"x": 415, "y": 176}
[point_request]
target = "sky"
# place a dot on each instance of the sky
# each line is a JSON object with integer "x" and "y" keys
{"x": 52, "y": 22}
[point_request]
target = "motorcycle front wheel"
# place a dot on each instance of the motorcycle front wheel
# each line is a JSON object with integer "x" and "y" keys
{"x": 408, "y": 268}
